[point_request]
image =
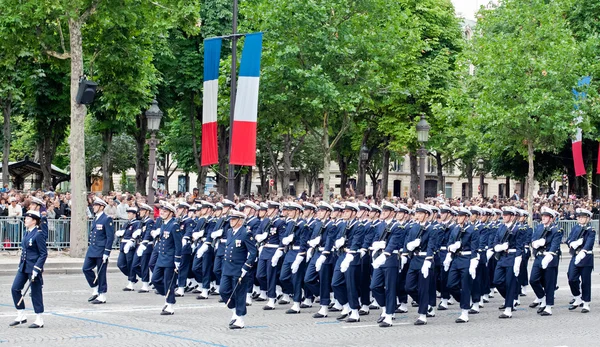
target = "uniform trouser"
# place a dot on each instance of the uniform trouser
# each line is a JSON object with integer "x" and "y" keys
{"x": 292, "y": 283}
{"x": 523, "y": 271}
{"x": 164, "y": 280}
{"x": 36, "y": 291}
{"x": 325, "y": 279}
{"x": 418, "y": 286}
{"x": 197, "y": 268}
{"x": 580, "y": 276}
{"x": 543, "y": 282}
{"x": 365, "y": 280}
{"x": 184, "y": 269}
{"x": 208, "y": 274}
{"x": 338, "y": 283}
{"x": 153, "y": 259}
{"x": 478, "y": 286}
{"x": 432, "y": 278}
{"x": 252, "y": 275}
{"x": 238, "y": 299}
{"x": 311, "y": 279}
{"x": 88, "y": 270}
{"x": 459, "y": 285}
{"x": 383, "y": 286}
{"x": 491, "y": 265}
{"x": 140, "y": 266}
{"x": 218, "y": 268}
{"x": 443, "y": 277}
{"x": 268, "y": 275}
{"x": 483, "y": 274}
{"x": 401, "y": 293}
{"x": 125, "y": 264}
{"x": 506, "y": 283}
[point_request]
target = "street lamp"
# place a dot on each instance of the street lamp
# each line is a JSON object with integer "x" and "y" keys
{"x": 422, "y": 136}
{"x": 153, "y": 115}
{"x": 480, "y": 165}
{"x": 362, "y": 170}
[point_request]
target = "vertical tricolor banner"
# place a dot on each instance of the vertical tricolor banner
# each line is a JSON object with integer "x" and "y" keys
{"x": 243, "y": 142}
{"x": 212, "y": 58}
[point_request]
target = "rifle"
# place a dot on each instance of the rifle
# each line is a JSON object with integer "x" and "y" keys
{"x": 540, "y": 250}
{"x": 384, "y": 237}
{"x": 419, "y": 234}
{"x": 572, "y": 251}
{"x": 216, "y": 241}
{"x": 267, "y": 229}
{"x": 341, "y": 249}
{"x": 289, "y": 245}
{"x": 498, "y": 255}
{"x": 459, "y": 237}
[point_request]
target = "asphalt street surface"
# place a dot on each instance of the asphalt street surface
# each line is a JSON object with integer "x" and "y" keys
{"x": 133, "y": 319}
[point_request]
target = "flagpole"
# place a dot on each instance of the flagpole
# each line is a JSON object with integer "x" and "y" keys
{"x": 231, "y": 174}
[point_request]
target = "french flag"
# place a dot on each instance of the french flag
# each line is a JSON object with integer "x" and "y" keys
{"x": 243, "y": 138}
{"x": 212, "y": 58}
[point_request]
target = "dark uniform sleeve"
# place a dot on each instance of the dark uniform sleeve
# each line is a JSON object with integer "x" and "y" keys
{"x": 588, "y": 241}
{"x": 358, "y": 237}
{"x": 556, "y": 240}
{"x": 474, "y": 242}
{"x": 40, "y": 241}
{"x": 177, "y": 237}
{"x": 252, "y": 251}
{"x": 110, "y": 235}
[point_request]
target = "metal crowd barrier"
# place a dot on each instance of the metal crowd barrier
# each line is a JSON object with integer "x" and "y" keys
{"x": 567, "y": 225}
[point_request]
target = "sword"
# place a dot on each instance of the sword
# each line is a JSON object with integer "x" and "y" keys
{"x": 233, "y": 292}
{"x": 171, "y": 284}
{"x": 99, "y": 270}
{"x": 25, "y": 293}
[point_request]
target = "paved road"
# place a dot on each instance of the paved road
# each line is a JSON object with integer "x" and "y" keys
{"x": 133, "y": 319}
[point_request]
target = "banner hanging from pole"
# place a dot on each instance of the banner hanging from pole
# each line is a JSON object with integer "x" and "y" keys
{"x": 243, "y": 145}
{"x": 212, "y": 58}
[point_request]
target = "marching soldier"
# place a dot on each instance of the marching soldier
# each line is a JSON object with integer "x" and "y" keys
{"x": 493, "y": 226}
{"x": 218, "y": 240}
{"x": 239, "y": 256}
{"x": 129, "y": 235}
{"x": 404, "y": 217}
{"x": 186, "y": 226}
{"x": 101, "y": 241}
{"x": 447, "y": 228}
{"x": 312, "y": 227}
{"x": 477, "y": 217}
{"x": 207, "y": 253}
{"x": 581, "y": 245}
{"x": 169, "y": 258}
{"x": 369, "y": 217}
{"x": 523, "y": 273}
{"x": 203, "y": 213}
{"x": 545, "y": 243}
{"x": 252, "y": 224}
{"x": 31, "y": 266}
{"x": 141, "y": 260}
{"x": 315, "y": 243}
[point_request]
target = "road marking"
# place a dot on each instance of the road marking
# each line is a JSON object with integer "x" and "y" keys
{"x": 370, "y": 325}
{"x": 134, "y": 309}
{"x": 328, "y": 322}
{"x": 86, "y": 337}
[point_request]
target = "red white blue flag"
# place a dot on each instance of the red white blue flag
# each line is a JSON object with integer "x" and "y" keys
{"x": 212, "y": 58}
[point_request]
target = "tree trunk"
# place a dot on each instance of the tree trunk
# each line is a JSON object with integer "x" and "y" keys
{"x": 343, "y": 165}
{"x": 46, "y": 152}
{"x": 326, "y": 160}
{"x": 264, "y": 182}
{"x": 286, "y": 160}
{"x": 6, "y": 112}
{"x": 361, "y": 182}
{"x": 77, "y": 147}
{"x": 106, "y": 165}
{"x": 507, "y": 187}
{"x": 201, "y": 180}
{"x": 141, "y": 163}
{"x": 440, "y": 173}
{"x": 385, "y": 171}
{"x": 223, "y": 134}
{"x": 469, "y": 173}
{"x": 530, "y": 180}
{"x": 248, "y": 182}
{"x": 414, "y": 176}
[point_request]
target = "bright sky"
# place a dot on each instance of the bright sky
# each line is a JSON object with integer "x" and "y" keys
{"x": 467, "y": 8}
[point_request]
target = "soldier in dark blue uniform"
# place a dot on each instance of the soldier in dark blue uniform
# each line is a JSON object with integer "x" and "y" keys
{"x": 476, "y": 222}
{"x": 545, "y": 242}
{"x": 581, "y": 244}
{"x": 446, "y": 229}
{"x": 523, "y": 273}
{"x": 207, "y": 253}
{"x": 462, "y": 261}
{"x": 31, "y": 266}
{"x": 101, "y": 236}
{"x": 141, "y": 259}
{"x": 204, "y": 210}
{"x": 127, "y": 246}
{"x": 367, "y": 215}
{"x": 218, "y": 238}
{"x": 403, "y": 216}
{"x": 318, "y": 233}
{"x": 493, "y": 226}
{"x": 252, "y": 223}
{"x": 239, "y": 255}
{"x": 186, "y": 226}
{"x": 168, "y": 262}
{"x": 272, "y": 229}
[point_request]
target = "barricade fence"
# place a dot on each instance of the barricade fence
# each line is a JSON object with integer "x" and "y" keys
{"x": 59, "y": 231}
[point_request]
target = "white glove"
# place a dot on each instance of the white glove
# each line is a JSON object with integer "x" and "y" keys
{"x": 403, "y": 262}
{"x": 377, "y": 245}
{"x": 473, "y": 268}
{"x": 309, "y": 254}
{"x": 576, "y": 244}
{"x": 489, "y": 254}
{"x": 34, "y": 274}
{"x": 425, "y": 268}
{"x": 339, "y": 243}
{"x": 501, "y": 247}
{"x": 261, "y": 237}
{"x": 346, "y": 262}
{"x": 244, "y": 272}
{"x": 287, "y": 240}
{"x": 362, "y": 252}
{"x": 546, "y": 261}
{"x": 447, "y": 262}
{"x": 320, "y": 262}
{"x": 216, "y": 233}
{"x": 105, "y": 258}
{"x": 136, "y": 233}
{"x": 314, "y": 242}
{"x": 196, "y": 235}
{"x": 276, "y": 257}
{"x": 454, "y": 247}
{"x": 517, "y": 266}
{"x": 184, "y": 242}
{"x": 120, "y": 233}
{"x": 538, "y": 243}
{"x": 141, "y": 249}
{"x": 413, "y": 244}
{"x": 380, "y": 260}
{"x": 177, "y": 264}
{"x": 154, "y": 233}
{"x": 201, "y": 250}
{"x": 127, "y": 246}
{"x": 579, "y": 257}
{"x": 296, "y": 263}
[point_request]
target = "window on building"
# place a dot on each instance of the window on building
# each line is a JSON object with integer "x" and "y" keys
{"x": 397, "y": 165}
{"x": 450, "y": 168}
{"x": 448, "y": 190}
{"x": 502, "y": 190}
{"x": 431, "y": 165}
{"x": 397, "y": 188}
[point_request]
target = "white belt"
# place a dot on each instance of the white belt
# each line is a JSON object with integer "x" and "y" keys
{"x": 223, "y": 241}
{"x": 465, "y": 253}
{"x": 526, "y": 246}
{"x": 423, "y": 254}
{"x": 321, "y": 249}
{"x": 295, "y": 248}
{"x": 512, "y": 250}
{"x": 443, "y": 248}
{"x": 395, "y": 252}
{"x": 547, "y": 253}
{"x": 271, "y": 245}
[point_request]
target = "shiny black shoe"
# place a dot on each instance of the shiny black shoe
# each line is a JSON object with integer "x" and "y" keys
{"x": 534, "y": 304}
{"x": 430, "y": 313}
{"x": 255, "y": 296}
{"x": 342, "y": 317}
{"x": 353, "y": 320}
{"x": 486, "y": 301}
{"x": 374, "y": 307}
{"x": 384, "y": 325}
{"x": 98, "y": 302}
{"x": 143, "y": 291}
{"x": 231, "y": 322}
{"x": 221, "y": 300}
{"x": 442, "y": 308}
{"x": 128, "y": 289}
{"x": 167, "y": 313}
{"x": 504, "y": 316}
{"x": 414, "y": 304}
{"x": 200, "y": 297}
{"x": 460, "y": 320}
{"x": 318, "y": 315}
{"x": 93, "y": 297}
{"x": 333, "y": 309}
{"x": 268, "y": 308}
{"x": 380, "y": 319}
{"x": 545, "y": 313}
{"x": 472, "y": 311}
{"x": 572, "y": 302}
{"x": 420, "y": 322}
{"x": 283, "y": 302}
{"x": 303, "y": 305}
{"x": 573, "y": 307}
{"x": 502, "y": 307}
{"x": 290, "y": 311}
{"x": 399, "y": 310}
{"x": 541, "y": 309}
{"x": 15, "y": 323}
{"x": 259, "y": 299}
{"x": 363, "y": 313}
{"x": 234, "y": 327}
{"x": 585, "y": 310}
{"x": 35, "y": 326}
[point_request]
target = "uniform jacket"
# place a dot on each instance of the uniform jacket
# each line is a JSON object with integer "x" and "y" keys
{"x": 101, "y": 236}
{"x": 589, "y": 235}
{"x": 168, "y": 245}
{"x": 240, "y": 252}
{"x": 34, "y": 252}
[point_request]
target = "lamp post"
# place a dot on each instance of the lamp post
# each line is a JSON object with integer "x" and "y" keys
{"x": 422, "y": 136}
{"x": 362, "y": 172}
{"x": 153, "y": 115}
{"x": 480, "y": 166}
